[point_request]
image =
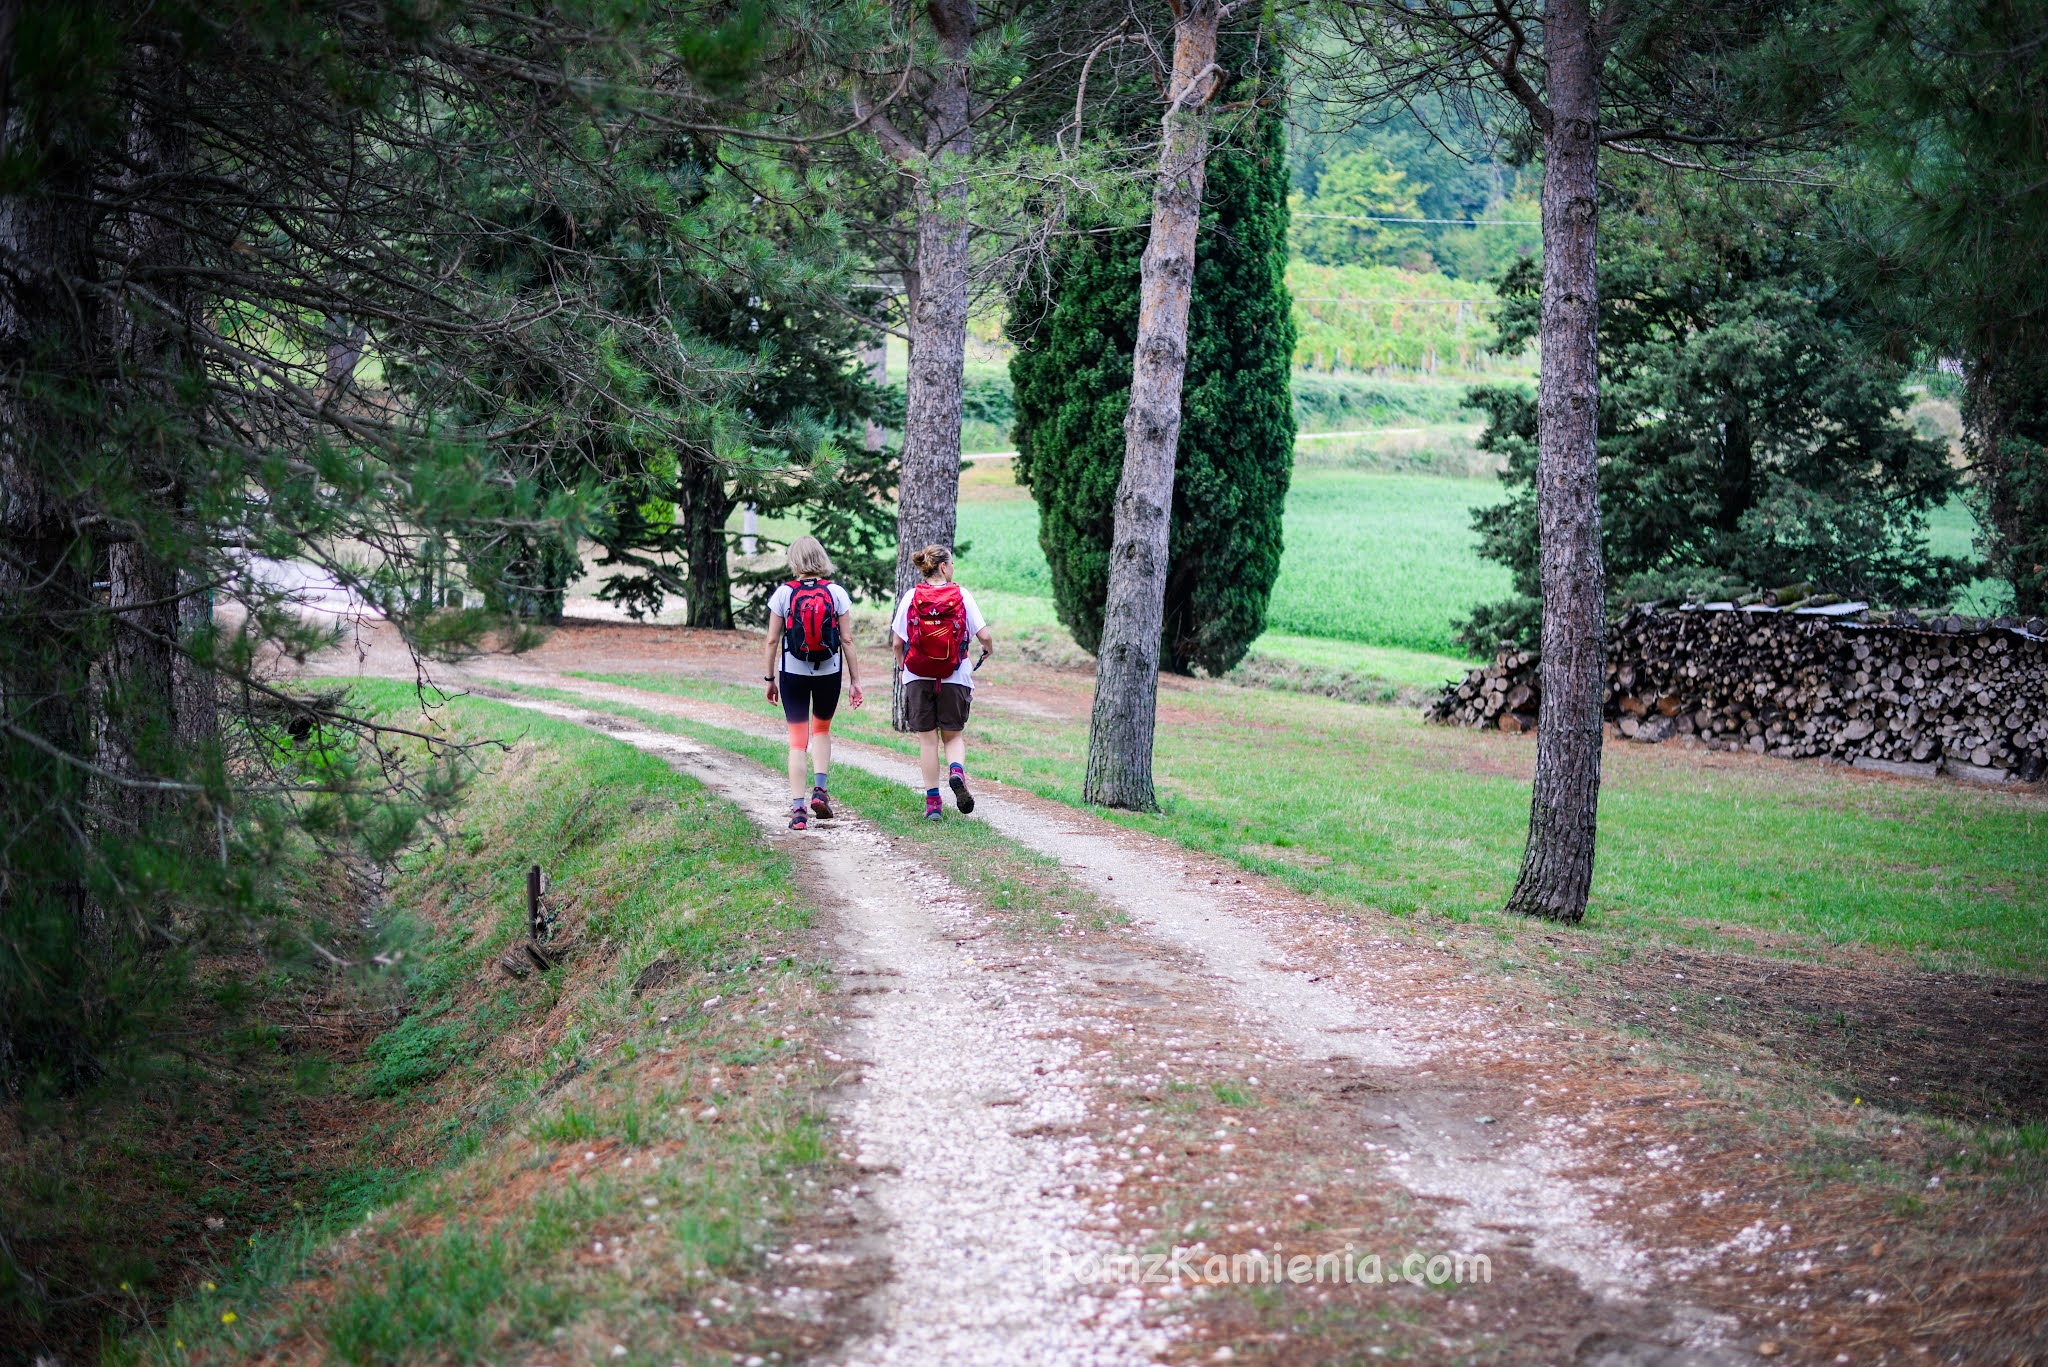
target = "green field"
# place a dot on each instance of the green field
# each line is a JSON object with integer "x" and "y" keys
{"x": 1953, "y": 531}
{"x": 1380, "y": 555}
{"x": 1382, "y": 559}
{"x": 1372, "y": 318}
{"x": 1371, "y": 559}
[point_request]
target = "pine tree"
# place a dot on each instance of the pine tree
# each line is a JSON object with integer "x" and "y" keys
{"x": 1075, "y": 327}
{"x": 1946, "y": 103}
{"x": 1631, "y": 80}
{"x": 267, "y": 301}
{"x": 1749, "y": 436}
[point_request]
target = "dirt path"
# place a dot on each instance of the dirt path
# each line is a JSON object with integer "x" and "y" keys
{"x": 1498, "y": 1177}
{"x": 1248, "y": 1068}
{"x": 979, "y": 1219}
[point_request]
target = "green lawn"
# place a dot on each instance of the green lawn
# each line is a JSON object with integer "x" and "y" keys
{"x": 1398, "y": 666}
{"x": 1001, "y": 540}
{"x": 1375, "y": 559}
{"x": 1371, "y": 808}
{"x": 1386, "y": 560}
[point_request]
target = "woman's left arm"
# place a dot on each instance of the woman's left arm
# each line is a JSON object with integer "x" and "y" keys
{"x": 849, "y": 660}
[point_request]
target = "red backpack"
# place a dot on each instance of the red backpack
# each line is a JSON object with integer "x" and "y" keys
{"x": 936, "y": 631}
{"x": 810, "y": 629}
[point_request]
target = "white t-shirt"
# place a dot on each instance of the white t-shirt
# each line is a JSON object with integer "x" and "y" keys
{"x": 778, "y": 604}
{"x": 976, "y": 623}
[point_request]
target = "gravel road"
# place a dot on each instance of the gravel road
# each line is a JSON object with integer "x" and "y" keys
{"x": 959, "y": 1182}
{"x": 967, "y": 1120}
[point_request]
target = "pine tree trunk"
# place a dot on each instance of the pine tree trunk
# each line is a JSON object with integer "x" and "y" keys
{"x": 874, "y": 358}
{"x": 1127, "y": 663}
{"x": 145, "y": 336}
{"x": 46, "y": 643}
{"x": 196, "y": 691}
{"x": 1557, "y": 865}
{"x": 928, "y": 489}
{"x": 1997, "y": 464}
{"x": 704, "y": 505}
{"x": 928, "y": 494}
{"x": 140, "y": 720}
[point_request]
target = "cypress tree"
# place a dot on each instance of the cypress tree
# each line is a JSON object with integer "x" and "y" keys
{"x": 1075, "y": 326}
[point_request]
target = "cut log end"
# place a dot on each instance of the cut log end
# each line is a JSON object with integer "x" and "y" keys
{"x": 1884, "y": 691}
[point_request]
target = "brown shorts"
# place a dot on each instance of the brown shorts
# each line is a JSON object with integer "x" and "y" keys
{"x": 929, "y": 705}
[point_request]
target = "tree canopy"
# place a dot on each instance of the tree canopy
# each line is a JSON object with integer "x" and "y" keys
{"x": 1347, "y": 222}
{"x": 1750, "y": 432}
{"x": 1942, "y": 126}
{"x": 368, "y": 297}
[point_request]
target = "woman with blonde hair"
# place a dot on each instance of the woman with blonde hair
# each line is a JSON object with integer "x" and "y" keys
{"x": 808, "y": 624}
{"x": 933, "y": 624}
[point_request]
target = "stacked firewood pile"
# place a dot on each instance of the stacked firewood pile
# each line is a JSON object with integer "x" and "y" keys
{"x": 1504, "y": 694}
{"x": 1878, "y": 690}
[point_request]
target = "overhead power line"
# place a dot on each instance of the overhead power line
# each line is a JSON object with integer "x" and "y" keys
{"x": 1453, "y": 222}
{"x": 1339, "y": 299}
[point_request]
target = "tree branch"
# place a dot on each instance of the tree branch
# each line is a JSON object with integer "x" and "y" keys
{"x": 892, "y": 139}
{"x": 1721, "y": 171}
{"x": 1122, "y": 35}
{"x": 159, "y": 785}
{"x": 860, "y": 120}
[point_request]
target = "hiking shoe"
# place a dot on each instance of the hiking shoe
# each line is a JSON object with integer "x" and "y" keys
{"x": 933, "y": 811}
{"x": 821, "y": 805}
{"x": 799, "y": 820}
{"x": 961, "y": 797}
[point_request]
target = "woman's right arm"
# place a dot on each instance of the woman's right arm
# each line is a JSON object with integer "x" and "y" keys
{"x": 768, "y": 665}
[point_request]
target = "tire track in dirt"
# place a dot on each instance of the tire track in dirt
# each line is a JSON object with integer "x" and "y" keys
{"x": 1323, "y": 1010}
{"x": 967, "y": 1116}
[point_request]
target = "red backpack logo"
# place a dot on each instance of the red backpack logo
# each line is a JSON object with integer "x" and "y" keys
{"x": 936, "y": 633}
{"x": 810, "y": 629}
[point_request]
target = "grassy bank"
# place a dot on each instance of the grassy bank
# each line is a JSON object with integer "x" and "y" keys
{"x": 600, "y": 1152}
{"x": 1370, "y": 808}
{"x": 1003, "y": 876}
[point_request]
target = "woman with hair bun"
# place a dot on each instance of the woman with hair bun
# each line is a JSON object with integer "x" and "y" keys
{"x": 808, "y": 628}
{"x": 933, "y": 625}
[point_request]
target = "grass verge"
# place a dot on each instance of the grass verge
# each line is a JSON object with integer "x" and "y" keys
{"x": 1371, "y": 808}
{"x": 1026, "y": 887}
{"x": 603, "y": 1152}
